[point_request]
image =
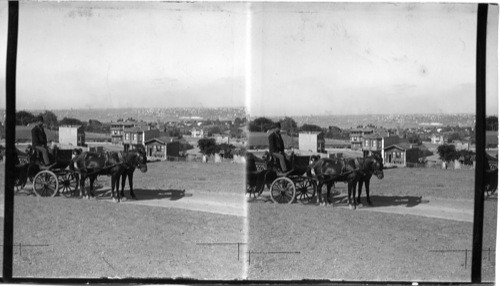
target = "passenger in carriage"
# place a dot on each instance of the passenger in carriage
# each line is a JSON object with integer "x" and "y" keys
{"x": 277, "y": 146}
{"x": 39, "y": 139}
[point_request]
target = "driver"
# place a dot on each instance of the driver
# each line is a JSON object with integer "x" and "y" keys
{"x": 277, "y": 147}
{"x": 39, "y": 139}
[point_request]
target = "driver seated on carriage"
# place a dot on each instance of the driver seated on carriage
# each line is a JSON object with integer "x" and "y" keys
{"x": 277, "y": 148}
{"x": 39, "y": 141}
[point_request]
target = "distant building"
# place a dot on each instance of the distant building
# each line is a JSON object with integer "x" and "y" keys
{"x": 136, "y": 137}
{"x": 375, "y": 143}
{"x": 162, "y": 148}
{"x": 437, "y": 139}
{"x": 357, "y": 135}
{"x": 117, "y": 130}
{"x": 400, "y": 155}
{"x": 311, "y": 142}
{"x": 197, "y": 133}
{"x": 72, "y": 135}
{"x": 221, "y": 139}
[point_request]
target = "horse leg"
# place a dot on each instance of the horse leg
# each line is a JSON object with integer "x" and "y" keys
{"x": 131, "y": 183}
{"x": 124, "y": 177}
{"x": 329, "y": 193}
{"x": 82, "y": 185}
{"x": 113, "y": 179}
{"x": 91, "y": 190}
{"x": 350, "y": 193}
{"x": 360, "y": 189}
{"x": 320, "y": 193}
{"x": 367, "y": 188}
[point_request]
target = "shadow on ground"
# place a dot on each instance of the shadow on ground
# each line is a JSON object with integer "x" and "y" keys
{"x": 145, "y": 194}
{"x": 377, "y": 201}
{"x": 390, "y": 201}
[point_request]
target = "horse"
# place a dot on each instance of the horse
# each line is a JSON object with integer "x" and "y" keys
{"x": 133, "y": 159}
{"x": 90, "y": 165}
{"x": 327, "y": 171}
{"x": 372, "y": 165}
{"x": 256, "y": 179}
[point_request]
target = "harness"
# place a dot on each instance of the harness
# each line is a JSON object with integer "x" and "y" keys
{"x": 107, "y": 164}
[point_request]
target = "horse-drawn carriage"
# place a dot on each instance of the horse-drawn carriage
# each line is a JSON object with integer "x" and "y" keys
{"x": 308, "y": 175}
{"x": 47, "y": 180}
{"x": 70, "y": 168}
{"x": 285, "y": 187}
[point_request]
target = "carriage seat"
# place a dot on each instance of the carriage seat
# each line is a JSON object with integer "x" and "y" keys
{"x": 274, "y": 163}
{"x": 38, "y": 156}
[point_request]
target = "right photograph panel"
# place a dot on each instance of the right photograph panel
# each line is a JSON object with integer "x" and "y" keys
{"x": 361, "y": 151}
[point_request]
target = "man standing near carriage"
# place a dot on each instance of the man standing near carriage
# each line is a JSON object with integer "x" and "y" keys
{"x": 39, "y": 139}
{"x": 277, "y": 146}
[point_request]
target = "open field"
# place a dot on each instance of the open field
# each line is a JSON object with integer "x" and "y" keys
{"x": 316, "y": 242}
{"x": 97, "y": 238}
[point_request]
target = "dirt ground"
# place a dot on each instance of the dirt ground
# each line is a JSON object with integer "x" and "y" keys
{"x": 186, "y": 223}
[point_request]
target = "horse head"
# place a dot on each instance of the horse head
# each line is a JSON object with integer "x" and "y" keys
{"x": 138, "y": 160}
{"x": 376, "y": 166}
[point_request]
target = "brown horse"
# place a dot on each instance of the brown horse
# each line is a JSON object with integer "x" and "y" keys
{"x": 327, "y": 171}
{"x": 90, "y": 165}
{"x": 133, "y": 159}
{"x": 368, "y": 166}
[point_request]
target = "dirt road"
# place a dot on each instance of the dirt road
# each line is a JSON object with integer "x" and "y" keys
{"x": 233, "y": 204}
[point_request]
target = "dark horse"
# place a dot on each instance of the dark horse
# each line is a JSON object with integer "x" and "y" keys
{"x": 129, "y": 168}
{"x": 368, "y": 166}
{"x": 90, "y": 165}
{"x": 327, "y": 171}
{"x": 257, "y": 179}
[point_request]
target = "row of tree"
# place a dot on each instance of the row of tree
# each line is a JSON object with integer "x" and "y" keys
{"x": 208, "y": 146}
{"x": 51, "y": 121}
{"x": 449, "y": 153}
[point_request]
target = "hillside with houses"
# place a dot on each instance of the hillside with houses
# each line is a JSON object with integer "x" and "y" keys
{"x": 195, "y": 138}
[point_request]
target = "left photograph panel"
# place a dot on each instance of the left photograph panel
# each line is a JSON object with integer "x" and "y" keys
{"x": 130, "y": 140}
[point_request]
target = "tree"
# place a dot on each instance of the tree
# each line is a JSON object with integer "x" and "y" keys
{"x": 289, "y": 125}
{"x": 447, "y": 152}
{"x": 260, "y": 124}
{"x": 24, "y": 118}
{"x": 414, "y": 138}
{"x": 240, "y": 121}
{"x": 454, "y": 136}
{"x": 50, "y": 119}
{"x": 214, "y": 130}
{"x": 207, "y": 146}
{"x": 70, "y": 121}
{"x": 310, "y": 128}
{"x": 492, "y": 123}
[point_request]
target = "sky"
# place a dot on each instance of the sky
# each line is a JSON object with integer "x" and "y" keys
{"x": 359, "y": 58}
{"x": 112, "y": 55}
{"x": 275, "y": 58}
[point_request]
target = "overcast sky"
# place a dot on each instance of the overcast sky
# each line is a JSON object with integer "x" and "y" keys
{"x": 278, "y": 58}
{"x": 94, "y": 55}
{"x": 337, "y": 58}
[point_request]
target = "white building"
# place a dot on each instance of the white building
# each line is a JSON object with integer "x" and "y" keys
{"x": 311, "y": 142}
{"x": 71, "y": 135}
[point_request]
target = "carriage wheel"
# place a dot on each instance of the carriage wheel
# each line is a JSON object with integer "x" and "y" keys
{"x": 283, "y": 191}
{"x": 68, "y": 184}
{"x": 306, "y": 190}
{"x": 45, "y": 184}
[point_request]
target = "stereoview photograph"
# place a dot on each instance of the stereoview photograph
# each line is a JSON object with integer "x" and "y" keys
{"x": 258, "y": 141}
